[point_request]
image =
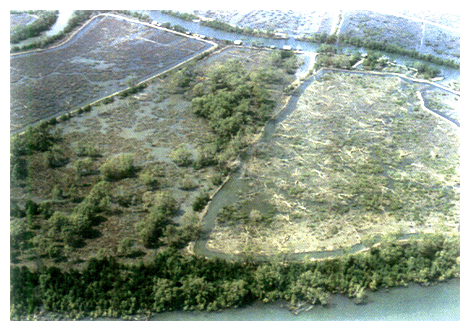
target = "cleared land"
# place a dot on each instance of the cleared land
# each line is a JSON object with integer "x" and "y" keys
{"x": 356, "y": 159}
{"x": 99, "y": 61}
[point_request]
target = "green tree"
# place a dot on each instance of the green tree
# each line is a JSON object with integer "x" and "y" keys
{"x": 83, "y": 167}
{"x": 181, "y": 156}
{"x": 118, "y": 167}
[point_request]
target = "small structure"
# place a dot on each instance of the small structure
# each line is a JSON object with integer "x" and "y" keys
{"x": 238, "y": 42}
{"x": 287, "y": 48}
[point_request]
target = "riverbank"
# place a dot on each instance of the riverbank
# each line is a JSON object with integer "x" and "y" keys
{"x": 175, "y": 282}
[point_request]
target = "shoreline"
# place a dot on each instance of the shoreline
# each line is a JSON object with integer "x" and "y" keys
{"x": 280, "y": 309}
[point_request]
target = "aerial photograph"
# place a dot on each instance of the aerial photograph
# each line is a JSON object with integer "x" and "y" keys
{"x": 235, "y": 165}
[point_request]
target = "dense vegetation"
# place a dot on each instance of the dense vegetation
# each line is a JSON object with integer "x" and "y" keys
{"x": 107, "y": 288}
{"x": 382, "y": 46}
{"x": 233, "y": 99}
{"x": 183, "y": 16}
{"x": 45, "y": 21}
{"x": 395, "y": 49}
{"x": 215, "y": 24}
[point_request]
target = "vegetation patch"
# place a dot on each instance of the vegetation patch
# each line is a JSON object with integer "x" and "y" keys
{"x": 144, "y": 148}
{"x": 111, "y": 289}
{"x": 355, "y": 159}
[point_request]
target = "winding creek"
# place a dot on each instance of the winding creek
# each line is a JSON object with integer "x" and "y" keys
{"x": 422, "y": 303}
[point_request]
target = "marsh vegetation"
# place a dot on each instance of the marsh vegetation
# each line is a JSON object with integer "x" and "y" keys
{"x": 356, "y": 159}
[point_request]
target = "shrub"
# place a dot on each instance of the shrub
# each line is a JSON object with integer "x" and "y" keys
{"x": 83, "y": 167}
{"x": 118, "y": 167}
{"x": 54, "y": 158}
{"x": 188, "y": 183}
{"x": 181, "y": 156}
{"x": 108, "y": 100}
{"x": 165, "y": 203}
{"x": 86, "y": 149}
{"x": 149, "y": 178}
{"x": 201, "y": 201}
{"x": 125, "y": 246}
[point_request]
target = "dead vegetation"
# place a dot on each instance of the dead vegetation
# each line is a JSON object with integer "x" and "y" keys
{"x": 357, "y": 158}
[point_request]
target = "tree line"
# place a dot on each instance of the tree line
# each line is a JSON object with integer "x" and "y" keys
{"x": 173, "y": 281}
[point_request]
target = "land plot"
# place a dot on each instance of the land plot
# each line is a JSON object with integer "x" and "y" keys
{"x": 441, "y": 42}
{"x": 289, "y": 21}
{"x": 356, "y": 159}
{"x": 148, "y": 126}
{"x": 96, "y": 63}
{"x": 382, "y": 27}
{"x": 452, "y": 20}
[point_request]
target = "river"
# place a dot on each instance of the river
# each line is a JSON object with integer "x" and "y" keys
{"x": 305, "y": 46}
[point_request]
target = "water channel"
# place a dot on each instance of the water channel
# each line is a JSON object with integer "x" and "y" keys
{"x": 305, "y": 46}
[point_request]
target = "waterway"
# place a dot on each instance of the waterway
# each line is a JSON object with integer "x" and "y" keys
{"x": 61, "y": 22}
{"x": 304, "y": 46}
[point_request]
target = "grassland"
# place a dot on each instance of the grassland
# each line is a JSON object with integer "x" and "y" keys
{"x": 357, "y": 158}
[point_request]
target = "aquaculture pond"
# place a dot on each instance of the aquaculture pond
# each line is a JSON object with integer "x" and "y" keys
{"x": 104, "y": 57}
